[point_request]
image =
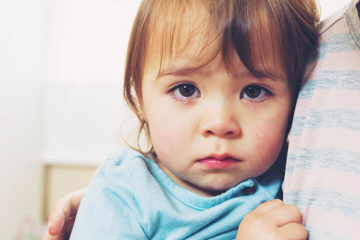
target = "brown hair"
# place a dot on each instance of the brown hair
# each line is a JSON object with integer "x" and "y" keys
{"x": 258, "y": 29}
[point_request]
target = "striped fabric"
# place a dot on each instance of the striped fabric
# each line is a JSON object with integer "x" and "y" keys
{"x": 323, "y": 167}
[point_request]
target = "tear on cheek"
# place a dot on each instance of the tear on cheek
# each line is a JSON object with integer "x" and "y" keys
{"x": 266, "y": 141}
{"x": 260, "y": 134}
{"x": 268, "y": 144}
{"x": 261, "y": 140}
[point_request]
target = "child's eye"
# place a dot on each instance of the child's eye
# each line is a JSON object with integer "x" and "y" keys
{"x": 185, "y": 91}
{"x": 254, "y": 92}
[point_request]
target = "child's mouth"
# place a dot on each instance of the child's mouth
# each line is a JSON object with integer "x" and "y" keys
{"x": 218, "y": 161}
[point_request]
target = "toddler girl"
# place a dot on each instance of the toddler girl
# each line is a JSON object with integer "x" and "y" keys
{"x": 213, "y": 83}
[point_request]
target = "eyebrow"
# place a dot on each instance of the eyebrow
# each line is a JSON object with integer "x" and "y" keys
{"x": 264, "y": 77}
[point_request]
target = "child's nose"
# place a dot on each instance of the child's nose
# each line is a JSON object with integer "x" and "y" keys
{"x": 222, "y": 125}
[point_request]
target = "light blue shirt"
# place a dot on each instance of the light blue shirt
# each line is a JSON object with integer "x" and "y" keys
{"x": 130, "y": 197}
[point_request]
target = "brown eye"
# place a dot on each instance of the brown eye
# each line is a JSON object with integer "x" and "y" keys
{"x": 254, "y": 92}
{"x": 185, "y": 91}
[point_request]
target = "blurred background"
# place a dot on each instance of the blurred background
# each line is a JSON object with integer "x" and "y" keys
{"x": 61, "y": 107}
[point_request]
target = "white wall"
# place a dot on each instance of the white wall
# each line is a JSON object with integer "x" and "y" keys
{"x": 20, "y": 115}
{"x": 86, "y": 48}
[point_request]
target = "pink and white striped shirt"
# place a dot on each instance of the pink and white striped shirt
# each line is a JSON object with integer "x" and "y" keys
{"x": 323, "y": 167}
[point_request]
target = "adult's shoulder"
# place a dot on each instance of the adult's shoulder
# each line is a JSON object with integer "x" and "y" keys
{"x": 327, "y": 25}
{"x": 348, "y": 16}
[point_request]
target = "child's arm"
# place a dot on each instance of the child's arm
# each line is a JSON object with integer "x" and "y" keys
{"x": 62, "y": 216}
{"x": 273, "y": 220}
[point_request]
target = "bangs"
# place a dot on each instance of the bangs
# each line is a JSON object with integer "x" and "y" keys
{"x": 257, "y": 39}
{"x": 192, "y": 31}
{"x": 201, "y": 30}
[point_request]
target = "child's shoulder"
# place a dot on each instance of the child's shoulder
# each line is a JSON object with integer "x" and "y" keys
{"x": 123, "y": 162}
{"x": 124, "y": 155}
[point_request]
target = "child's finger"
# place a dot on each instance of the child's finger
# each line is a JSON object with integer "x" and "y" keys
{"x": 268, "y": 206}
{"x": 293, "y": 231}
{"x": 285, "y": 214}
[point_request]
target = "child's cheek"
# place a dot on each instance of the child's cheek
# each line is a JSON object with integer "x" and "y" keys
{"x": 169, "y": 136}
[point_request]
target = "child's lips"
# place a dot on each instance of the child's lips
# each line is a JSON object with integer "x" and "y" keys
{"x": 222, "y": 161}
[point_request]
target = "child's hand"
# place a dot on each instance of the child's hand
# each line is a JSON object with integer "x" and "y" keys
{"x": 62, "y": 216}
{"x": 273, "y": 220}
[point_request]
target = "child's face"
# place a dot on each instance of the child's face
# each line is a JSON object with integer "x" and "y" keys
{"x": 214, "y": 126}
